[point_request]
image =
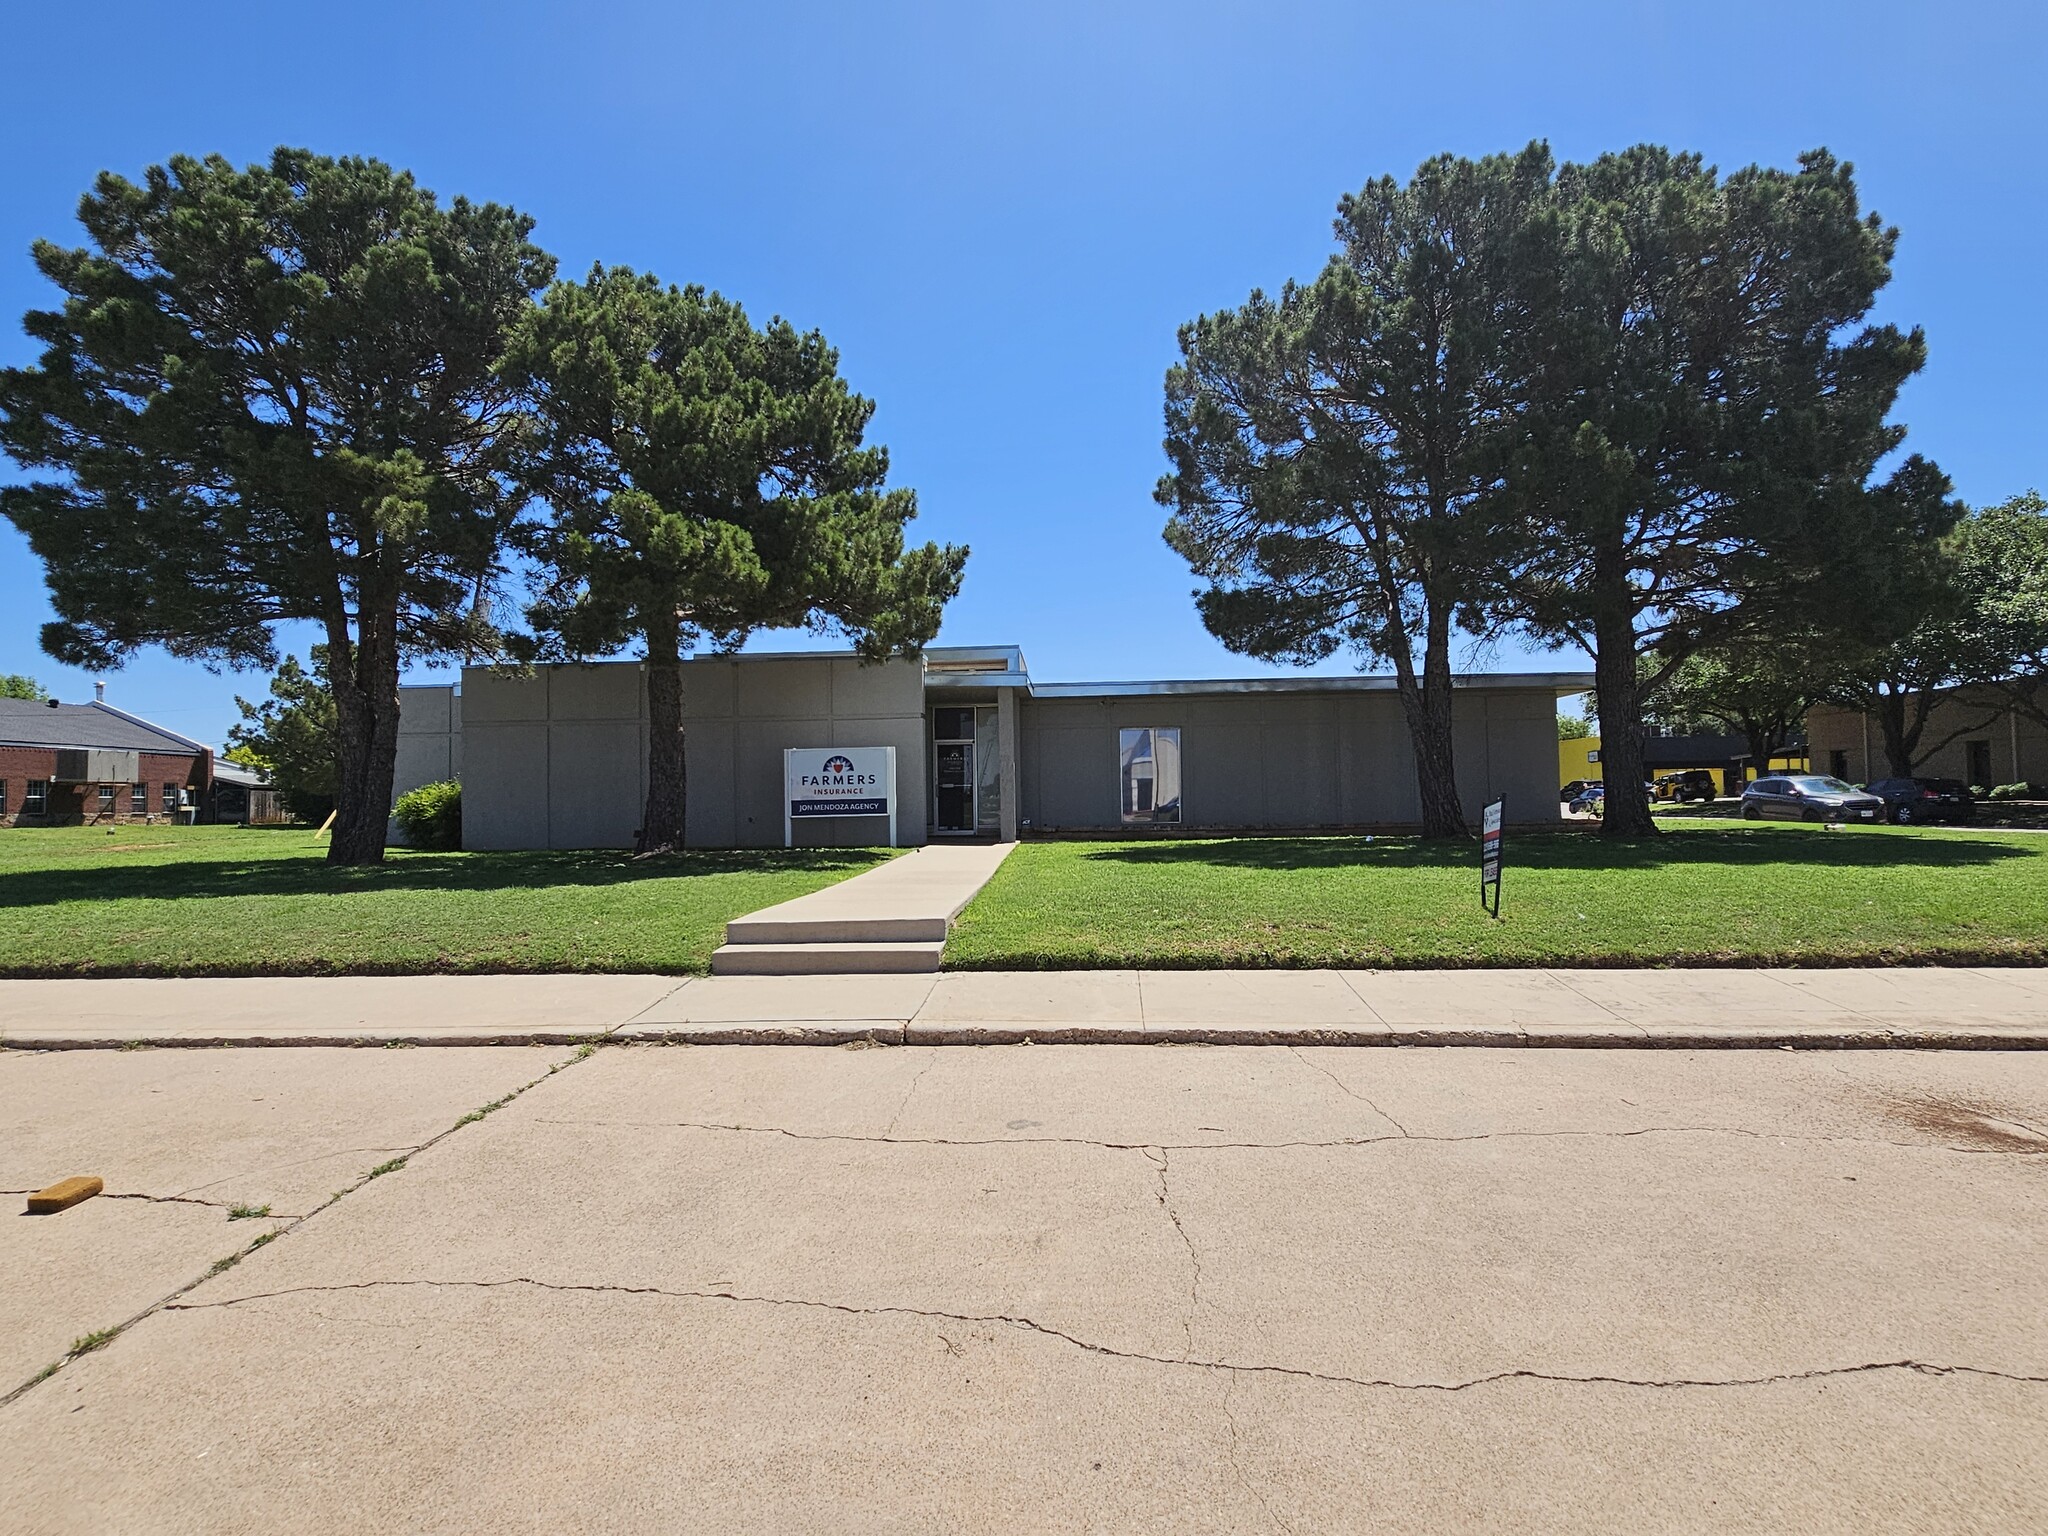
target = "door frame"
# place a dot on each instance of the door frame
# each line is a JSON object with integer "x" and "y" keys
{"x": 937, "y": 741}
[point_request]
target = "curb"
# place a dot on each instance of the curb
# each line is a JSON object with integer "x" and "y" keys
{"x": 1606, "y": 1036}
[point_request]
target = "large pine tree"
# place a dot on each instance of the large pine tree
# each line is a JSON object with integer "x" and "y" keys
{"x": 271, "y": 394}
{"x": 708, "y": 480}
{"x": 1332, "y": 447}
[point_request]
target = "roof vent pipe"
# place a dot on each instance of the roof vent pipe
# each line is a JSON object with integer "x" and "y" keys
{"x": 99, "y": 690}
{"x": 53, "y": 701}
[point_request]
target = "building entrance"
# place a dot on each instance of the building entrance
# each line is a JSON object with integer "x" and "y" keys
{"x": 966, "y": 779}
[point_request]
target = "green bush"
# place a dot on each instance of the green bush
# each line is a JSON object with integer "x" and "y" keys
{"x": 431, "y": 816}
{"x": 2015, "y": 792}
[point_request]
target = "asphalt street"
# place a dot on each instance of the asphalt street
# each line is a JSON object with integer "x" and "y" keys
{"x": 1027, "y": 1288}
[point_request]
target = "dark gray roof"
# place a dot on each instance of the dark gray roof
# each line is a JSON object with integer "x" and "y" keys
{"x": 33, "y": 723}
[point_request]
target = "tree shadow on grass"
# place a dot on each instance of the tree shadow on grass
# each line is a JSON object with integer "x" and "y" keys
{"x": 311, "y": 876}
{"x": 1737, "y": 846}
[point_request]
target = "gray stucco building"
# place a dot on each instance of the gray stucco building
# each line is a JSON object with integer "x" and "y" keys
{"x": 557, "y": 759}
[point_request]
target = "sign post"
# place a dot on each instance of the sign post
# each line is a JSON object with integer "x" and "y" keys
{"x": 1489, "y": 855}
{"x": 837, "y": 781}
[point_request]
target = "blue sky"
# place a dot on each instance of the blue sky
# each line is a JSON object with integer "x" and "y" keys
{"x": 1000, "y": 215}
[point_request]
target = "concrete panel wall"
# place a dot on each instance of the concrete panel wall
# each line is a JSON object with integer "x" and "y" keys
{"x": 558, "y": 759}
{"x": 1279, "y": 761}
{"x": 505, "y": 796}
{"x": 429, "y": 739}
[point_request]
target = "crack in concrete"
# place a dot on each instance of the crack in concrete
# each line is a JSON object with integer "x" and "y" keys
{"x": 1187, "y": 1242}
{"x": 1237, "y": 1461}
{"x": 930, "y": 1062}
{"x": 304, "y": 1162}
{"x": 1345, "y": 1087}
{"x": 291, "y": 1224}
{"x": 1415, "y": 1137}
{"x": 1089, "y": 1346}
{"x": 218, "y": 1205}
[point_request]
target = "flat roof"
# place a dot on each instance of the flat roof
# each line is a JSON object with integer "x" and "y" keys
{"x": 1558, "y": 683}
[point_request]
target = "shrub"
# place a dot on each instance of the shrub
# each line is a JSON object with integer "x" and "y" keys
{"x": 431, "y": 816}
{"x": 2015, "y": 792}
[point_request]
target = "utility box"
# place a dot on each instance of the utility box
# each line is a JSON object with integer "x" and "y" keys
{"x": 96, "y": 765}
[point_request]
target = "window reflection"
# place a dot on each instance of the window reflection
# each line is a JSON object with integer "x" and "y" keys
{"x": 1148, "y": 772}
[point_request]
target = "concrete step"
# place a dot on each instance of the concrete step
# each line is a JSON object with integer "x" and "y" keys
{"x": 835, "y": 930}
{"x": 825, "y": 959}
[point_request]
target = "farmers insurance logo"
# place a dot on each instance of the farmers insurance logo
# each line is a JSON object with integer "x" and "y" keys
{"x": 838, "y": 776}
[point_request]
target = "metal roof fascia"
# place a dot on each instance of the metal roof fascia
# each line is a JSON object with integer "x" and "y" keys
{"x": 1559, "y": 683}
{"x": 148, "y": 725}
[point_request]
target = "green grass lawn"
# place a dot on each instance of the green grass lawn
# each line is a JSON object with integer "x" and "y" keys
{"x": 1705, "y": 893}
{"x": 225, "y": 901}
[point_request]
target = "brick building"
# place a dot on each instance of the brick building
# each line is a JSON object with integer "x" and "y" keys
{"x": 1972, "y": 734}
{"x": 95, "y": 765}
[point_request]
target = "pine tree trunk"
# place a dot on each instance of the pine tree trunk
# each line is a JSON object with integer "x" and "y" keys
{"x": 1427, "y": 704}
{"x": 662, "y": 822}
{"x": 363, "y": 677}
{"x": 1626, "y": 808}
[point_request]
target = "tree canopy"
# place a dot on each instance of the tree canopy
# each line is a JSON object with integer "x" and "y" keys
{"x": 1758, "y": 687}
{"x": 1703, "y": 417}
{"x": 1331, "y": 447}
{"x": 19, "y": 685}
{"x": 1968, "y": 609}
{"x": 290, "y": 737}
{"x": 708, "y": 479}
{"x": 271, "y": 394}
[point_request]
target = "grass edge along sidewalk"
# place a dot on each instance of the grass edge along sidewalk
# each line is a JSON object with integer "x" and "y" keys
{"x": 224, "y": 901}
{"x": 1705, "y": 894}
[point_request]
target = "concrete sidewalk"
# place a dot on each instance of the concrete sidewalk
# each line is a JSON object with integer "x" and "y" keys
{"x": 1963, "y": 1008}
{"x": 892, "y": 919}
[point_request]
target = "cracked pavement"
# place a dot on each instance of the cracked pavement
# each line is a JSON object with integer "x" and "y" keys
{"x": 1061, "y": 1288}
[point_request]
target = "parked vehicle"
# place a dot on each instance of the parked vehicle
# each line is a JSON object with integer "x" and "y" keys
{"x": 1590, "y": 801}
{"x": 1576, "y": 788}
{"x": 1908, "y": 800}
{"x": 1686, "y": 784}
{"x": 1809, "y": 797}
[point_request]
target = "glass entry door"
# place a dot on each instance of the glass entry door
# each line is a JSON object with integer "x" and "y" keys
{"x": 953, "y": 771}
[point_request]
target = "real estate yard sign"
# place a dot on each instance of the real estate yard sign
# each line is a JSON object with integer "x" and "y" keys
{"x": 1489, "y": 855}
{"x": 837, "y": 781}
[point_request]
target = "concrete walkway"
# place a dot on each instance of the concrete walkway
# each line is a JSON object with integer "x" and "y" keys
{"x": 1985, "y": 1008}
{"x": 893, "y": 919}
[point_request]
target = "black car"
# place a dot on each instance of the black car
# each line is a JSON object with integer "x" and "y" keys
{"x": 1576, "y": 788}
{"x": 1686, "y": 784}
{"x": 1809, "y": 797}
{"x": 1925, "y": 799}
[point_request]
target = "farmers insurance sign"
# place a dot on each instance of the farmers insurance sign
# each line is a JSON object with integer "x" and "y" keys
{"x": 838, "y": 781}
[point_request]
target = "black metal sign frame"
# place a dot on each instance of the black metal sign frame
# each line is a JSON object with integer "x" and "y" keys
{"x": 1489, "y": 854}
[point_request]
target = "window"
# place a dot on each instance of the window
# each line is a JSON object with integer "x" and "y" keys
{"x": 106, "y": 799}
{"x": 138, "y": 799}
{"x": 35, "y": 798}
{"x": 1838, "y": 763}
{"x": 1148, "y": 772}
{"x": 170, "y": 799}
{"x": 3, "y": 797}
{"x": 1977, "y": 755}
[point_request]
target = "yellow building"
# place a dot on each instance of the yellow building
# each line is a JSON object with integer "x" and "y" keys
{"x": 1578, "y": 757}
